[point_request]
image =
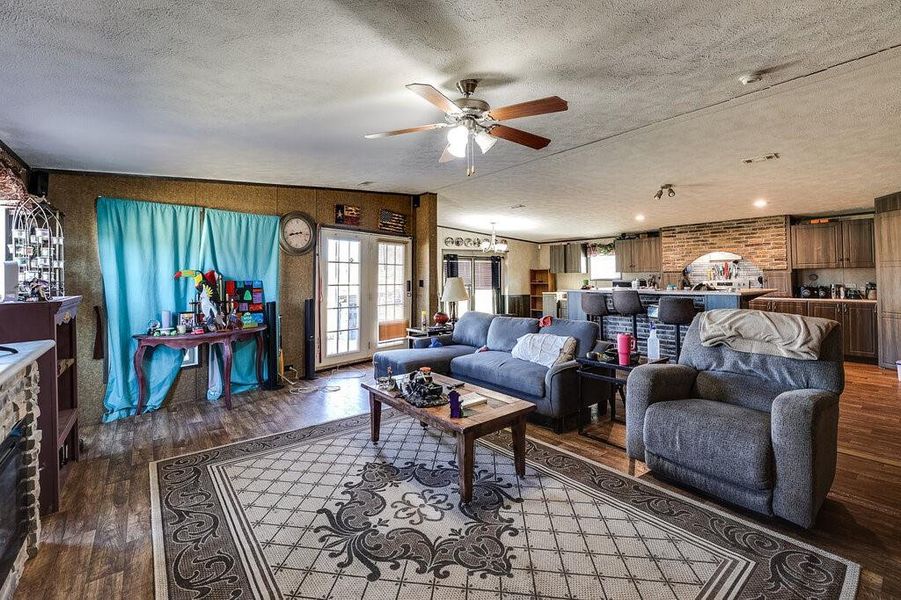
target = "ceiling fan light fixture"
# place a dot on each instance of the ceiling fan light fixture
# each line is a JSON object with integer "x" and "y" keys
{"x": 457, "y": 136}
{"x": 485, "y": 141}
{"x": 457, "y": 150}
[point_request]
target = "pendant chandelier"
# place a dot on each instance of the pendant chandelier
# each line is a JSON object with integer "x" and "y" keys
{"x": 494, "y": 246}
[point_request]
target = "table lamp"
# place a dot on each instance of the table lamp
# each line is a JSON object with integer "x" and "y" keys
{"x": 454, "y": 291}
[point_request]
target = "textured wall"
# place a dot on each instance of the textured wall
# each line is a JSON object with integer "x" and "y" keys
{"x": 75, "y": 195}
{"x": 521, "y": 257}
{"x": 763, "y": 241}
{"x": 427, "y": 266}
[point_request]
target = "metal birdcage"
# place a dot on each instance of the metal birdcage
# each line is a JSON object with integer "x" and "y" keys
{"x": 37, "y": 245}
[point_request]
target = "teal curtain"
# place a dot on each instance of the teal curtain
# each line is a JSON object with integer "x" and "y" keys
{"x": 240, "y": 246}
{"x": 142, "y": 245}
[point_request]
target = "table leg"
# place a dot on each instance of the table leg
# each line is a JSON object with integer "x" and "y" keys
{"x": 139, "y": 372}
{"x": 519, "y": 446}
{"x": 465, "y": 459}
{"x": 375, "y": 417}
{"x": 227, "y": 373}
{"x": 612, "y": 403}
{"x": 259, "y": 339}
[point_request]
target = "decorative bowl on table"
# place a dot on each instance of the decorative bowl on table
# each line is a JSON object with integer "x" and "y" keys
{"x": 418, "y": 389}
{"x": 440, "y": 318}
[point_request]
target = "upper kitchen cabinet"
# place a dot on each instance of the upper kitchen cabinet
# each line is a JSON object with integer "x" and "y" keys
{"x": 857, "y": 243}
{"x": 639, "y": 255}
{"x": 568, "y": 258}
{"x": 833, "y": 245}
{"x": 558, "y": 258}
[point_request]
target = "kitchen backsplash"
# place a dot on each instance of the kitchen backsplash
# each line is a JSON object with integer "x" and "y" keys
{"x": 847, "y": 277}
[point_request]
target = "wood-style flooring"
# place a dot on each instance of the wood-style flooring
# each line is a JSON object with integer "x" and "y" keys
{"x": 99, "y": 544}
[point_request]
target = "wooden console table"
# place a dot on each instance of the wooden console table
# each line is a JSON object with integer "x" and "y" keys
{"x": 184, "y": 342}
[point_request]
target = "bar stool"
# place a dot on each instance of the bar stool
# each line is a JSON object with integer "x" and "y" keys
{"x": 678, "y": 312}
{"x": 595, "y": 308}
{"x": 628, "y": 304}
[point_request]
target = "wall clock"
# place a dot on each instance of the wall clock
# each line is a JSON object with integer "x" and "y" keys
{"x": 297, "y": 233}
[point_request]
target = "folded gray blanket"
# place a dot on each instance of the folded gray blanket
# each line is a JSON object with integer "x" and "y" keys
{"x": 760, "y": 332}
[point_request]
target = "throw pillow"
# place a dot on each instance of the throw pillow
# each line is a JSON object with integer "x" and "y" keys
{"x": 544, "y": 348}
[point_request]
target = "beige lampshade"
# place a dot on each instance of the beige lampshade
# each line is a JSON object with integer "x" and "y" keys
{"x": 454, "y": 290}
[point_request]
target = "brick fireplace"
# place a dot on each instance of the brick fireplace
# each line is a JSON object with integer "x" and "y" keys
{"x": 18, "y": 415}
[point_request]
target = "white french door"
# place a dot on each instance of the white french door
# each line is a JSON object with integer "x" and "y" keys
{"x": 364, "y": 295}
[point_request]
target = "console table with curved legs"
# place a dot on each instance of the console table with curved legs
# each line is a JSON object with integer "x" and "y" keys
{"x": 183, "y": 342}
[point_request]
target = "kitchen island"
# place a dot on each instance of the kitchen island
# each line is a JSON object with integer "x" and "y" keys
{"x": 703, "y": 300}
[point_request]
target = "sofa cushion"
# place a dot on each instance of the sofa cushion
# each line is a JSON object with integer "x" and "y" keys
{"x": 404, "y": 361}
{"x": 504, "y": 331}
{"x": 472, "y": 329}
{"x": 502, "y": 370}
{"x": 712, "y": 438}
{"x": 585, "y": 332}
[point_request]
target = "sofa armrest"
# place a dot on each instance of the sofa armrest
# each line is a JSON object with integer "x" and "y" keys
{"x": 561, "y": 383}
{"x": 646, "y": 385}
{"x": 804, "y": 426}
{"x": 446, "y": 339}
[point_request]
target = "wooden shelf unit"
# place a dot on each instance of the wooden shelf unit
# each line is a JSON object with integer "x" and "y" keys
{"x": 540, "y": 281}
{"x": 58, "y": 396}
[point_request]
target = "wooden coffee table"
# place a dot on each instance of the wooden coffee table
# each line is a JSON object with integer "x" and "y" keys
{"x": 499, "y": 412}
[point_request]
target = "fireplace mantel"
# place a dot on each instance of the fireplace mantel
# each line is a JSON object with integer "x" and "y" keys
{"x": 19, "y": 403}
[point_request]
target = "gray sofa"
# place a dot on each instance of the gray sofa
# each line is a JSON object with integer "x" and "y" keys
{"x": 555, "y": 391}
{"x": 755, "y": 430}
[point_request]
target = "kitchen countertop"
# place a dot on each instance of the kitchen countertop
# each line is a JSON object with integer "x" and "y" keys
{"x": 855, "y": 300}
{"x": 650, "y": 292}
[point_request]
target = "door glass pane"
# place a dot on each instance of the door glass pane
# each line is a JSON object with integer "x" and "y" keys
{"x": 342, "y": 297}
{"x": 391, "y": 296}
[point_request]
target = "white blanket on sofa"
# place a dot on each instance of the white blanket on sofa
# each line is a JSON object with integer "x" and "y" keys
{"x": 761, "y": 332}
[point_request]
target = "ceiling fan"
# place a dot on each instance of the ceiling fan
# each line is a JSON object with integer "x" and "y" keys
{"x": 473, "y": 122}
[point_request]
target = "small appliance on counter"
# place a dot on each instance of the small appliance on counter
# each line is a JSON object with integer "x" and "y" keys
{"x": 870, "y": 290}
{"x": 808, "y": 291}
{"x": 823, "y": 291}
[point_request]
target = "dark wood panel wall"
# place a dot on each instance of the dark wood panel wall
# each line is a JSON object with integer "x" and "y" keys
{"x": 75, "y": 194}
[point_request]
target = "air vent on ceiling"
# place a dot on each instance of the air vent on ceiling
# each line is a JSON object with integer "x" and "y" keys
{"x": 365, "y": 183}
{"x": 761, "y": 158}
{"x": 515, "y": 206}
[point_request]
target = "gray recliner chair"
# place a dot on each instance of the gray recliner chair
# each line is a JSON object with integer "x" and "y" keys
{"x": 755, "y": 430}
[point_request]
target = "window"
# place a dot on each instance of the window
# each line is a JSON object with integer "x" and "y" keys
{"x": 603, "y": 267}
{"x": 476, "y": 275}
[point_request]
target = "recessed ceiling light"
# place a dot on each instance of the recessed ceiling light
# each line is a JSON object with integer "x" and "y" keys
{"x": 639, "y": 217}
{"x": 760, "y": 203}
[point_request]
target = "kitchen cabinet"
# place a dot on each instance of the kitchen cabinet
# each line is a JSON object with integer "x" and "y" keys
{"x": 860, "y": 331}
{"x": 816, "y": 246}
{"x": 858, "y": 320}
{"x": 833, "y": 245}
{"x": 574, "y": 259}
{"x": 857, "y": 244}
{"x": 639, "y": 255}
{"x": 888, "y": 276}
{"x": 558, "y": 259}
{"x": 781, "y": 281}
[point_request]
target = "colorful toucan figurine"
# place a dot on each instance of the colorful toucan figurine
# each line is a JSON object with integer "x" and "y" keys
{"x": 205, "y": 283}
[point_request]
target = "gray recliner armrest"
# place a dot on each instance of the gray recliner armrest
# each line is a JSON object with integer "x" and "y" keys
{"x": 646, "y": 385}
{"x": 446, "y": 340}
{"x": 804, "y": 427}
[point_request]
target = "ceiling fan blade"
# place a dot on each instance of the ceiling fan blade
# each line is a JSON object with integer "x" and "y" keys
{"x": 519, "y": 136}
{"x": 528, "y": 109}
{"x": 373, "y": 136}
{"x": 432, "y": 94}
{"x": 446, "y": 156}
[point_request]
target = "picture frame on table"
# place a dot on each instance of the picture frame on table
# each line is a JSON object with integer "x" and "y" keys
{"x": 186, "y": 319}
{"x": 191, "y": 358}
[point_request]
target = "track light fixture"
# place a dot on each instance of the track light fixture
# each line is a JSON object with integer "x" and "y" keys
{"x": 670, "y": 191}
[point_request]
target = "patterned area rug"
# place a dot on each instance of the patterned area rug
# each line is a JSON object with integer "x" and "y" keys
{"x": 323, "y": 513}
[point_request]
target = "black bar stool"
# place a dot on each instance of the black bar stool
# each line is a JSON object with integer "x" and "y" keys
{"x": 595, "y": 308}
{"x": 627, "y": 302}
{"x": 678, "y": 312}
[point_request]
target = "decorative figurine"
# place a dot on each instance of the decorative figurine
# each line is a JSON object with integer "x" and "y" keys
{"x": 205, "y": 284}
{"x": 456, "y": 407}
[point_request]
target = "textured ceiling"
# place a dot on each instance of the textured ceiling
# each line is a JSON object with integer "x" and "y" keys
{"x": 283, "y": 91}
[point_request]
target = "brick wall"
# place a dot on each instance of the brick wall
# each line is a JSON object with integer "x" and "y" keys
{"x": 762, "y": 241}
